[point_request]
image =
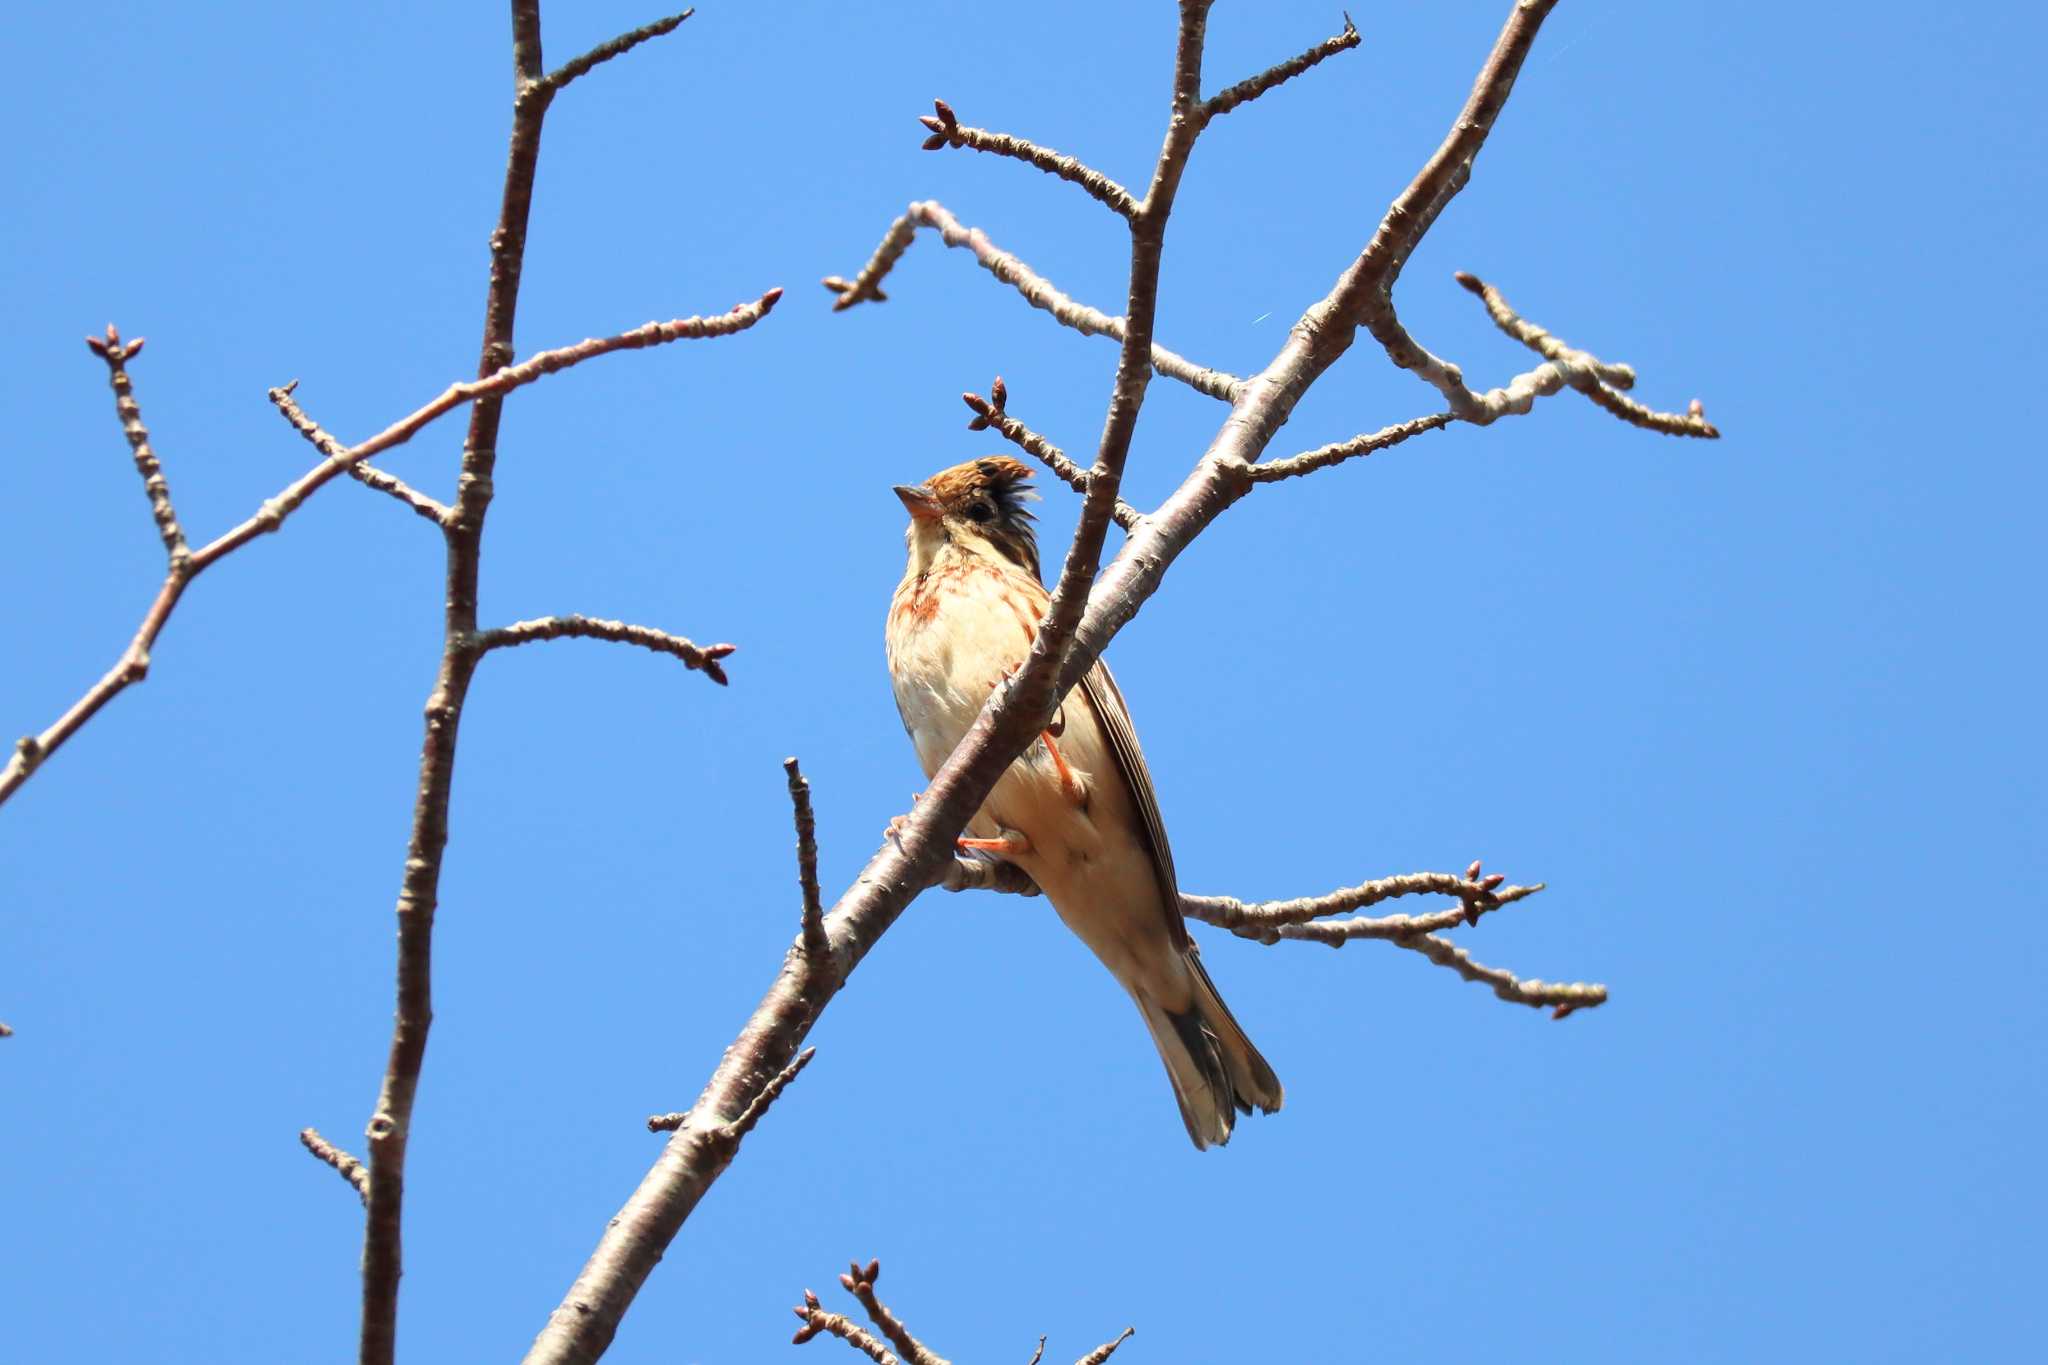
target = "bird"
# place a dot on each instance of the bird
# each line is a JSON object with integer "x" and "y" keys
{"x": 1076, "y": 811}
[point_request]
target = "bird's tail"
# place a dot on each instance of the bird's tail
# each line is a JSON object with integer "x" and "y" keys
{"x": 1215, "y": 1070}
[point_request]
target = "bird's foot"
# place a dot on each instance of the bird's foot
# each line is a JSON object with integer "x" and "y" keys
{"x": 1071, "y": 785}
{"x": 1009, "y": 843}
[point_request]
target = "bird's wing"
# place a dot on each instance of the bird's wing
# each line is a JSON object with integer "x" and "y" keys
{"x": 1114, "y": 719}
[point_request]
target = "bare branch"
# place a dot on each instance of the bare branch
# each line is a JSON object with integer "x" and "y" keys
{"x": 1037, "y": 291}
{"x": 1415, "y": 210}
{"x": 859, "y": 1281}
{"x": 462, "y": 648}
{"x": 817, "y": 1320}
{"x": 365, "y": 474}
{"x": 751, "y": 1115}
{"x": 988, "y": 412}
{"x": 117, "y": 356}
{"x": 562, "y": 75}
{"x": 1246, "y": 91}
{"x": 1267, "y": 921}
{"x": 1107, "y": 1348}
{"x": 703, "y": 658}
{"x": 946, "y": 130}
{"x": 133, "y": 665}
{"x": 1272, "y": 471}
{"x": 813, "y": 918}
{"x": 1563, "y": 999}
{"x": 351, "y": 1170}
{"x": 1587, "y": 372}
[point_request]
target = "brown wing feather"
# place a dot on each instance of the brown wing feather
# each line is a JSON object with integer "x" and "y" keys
{"x": 1114, "y": 718}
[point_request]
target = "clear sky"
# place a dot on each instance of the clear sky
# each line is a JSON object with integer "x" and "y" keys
{"x": 1764, "y": 713}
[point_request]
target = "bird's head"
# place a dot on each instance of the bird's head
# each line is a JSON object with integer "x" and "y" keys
{"x": 978, "y": 507}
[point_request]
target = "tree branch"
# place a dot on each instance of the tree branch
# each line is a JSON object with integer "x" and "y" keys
{"x": 346, "y": 1166}
{"x": 133, "y": 665}
{"x": 1272, "y": 471}
{"x": 988, "y": 412}
{"x": 1246, "y": 91}
{"x": 367, "y": 475}
{"x": 1037, "y": 291}
{"x": 703, "y": 658}
{"x": 462, "y": 647}
{"x": 859, "y": 1281}
{"x": 813, "y": 917}
{"x": 129, "y": 411}
{"x": 1587, "y": 372}
{"x": 817, "y": 1320}
{"x": 562, "y": 75}
{"x": 946, "y": 130}
{"x": 1107, "y": 1348}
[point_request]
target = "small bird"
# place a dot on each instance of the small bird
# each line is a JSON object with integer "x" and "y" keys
{"x": 1076, "y": 811}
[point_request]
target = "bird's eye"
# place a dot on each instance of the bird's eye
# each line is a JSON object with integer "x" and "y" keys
{"x": 980, "y": 511}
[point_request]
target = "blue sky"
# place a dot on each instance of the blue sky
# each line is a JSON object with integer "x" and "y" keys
{"x": 1763, "y": 713}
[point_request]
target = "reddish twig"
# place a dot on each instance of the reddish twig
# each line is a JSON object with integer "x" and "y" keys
{"x": 1246, "y": 91}
{"x": 562, "y": 75}
{"x": 367, "y": 475}
{"x": 351, "y": 1170}
{"x": 1037, "y": 291}
{"x": 133, "y": 665}
{"x": 988, "y": 412}
{"x": 948, "y": 131}
{"x": 732, "y": 1132}
{"x": 1272, "y": 471}
{"x": 812, "y": 920}
{"x": 859, "y": 1281}
{"x": 117, "y": 356}
{"x": 703, "y": 658}
{"x": 817, "y": 1320}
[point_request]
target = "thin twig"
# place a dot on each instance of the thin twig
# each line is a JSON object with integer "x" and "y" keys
{"x": 1586, "y": 372}
{"x": 751, "y": 1115}
{"x": 859, "y": 1281}
{"x": 813, "y": 916}
{"x": 1561, "y": 998}
{"x": 703, "y": 658}
{"x": 1037, "y": 291}
{"x": 1107, "y": 1348}
{"x": 817, "y": 1320}
{"x": 562, "y": 75}
{"x": 132, "y": 666}
{"x": 367, "y": 475}
{"x": 948, "y": 131}
{"x": 988, "y": 412}
{"x": 1247, "y": 90}
{"x": 1266, "y": 921}
{"x": 117, "y": 356}
{"x": 1272, "y": 471}
{"x": 351, "y": 1170}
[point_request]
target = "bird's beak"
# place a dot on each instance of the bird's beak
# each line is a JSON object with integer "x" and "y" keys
{"x": 918, "y": 499}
